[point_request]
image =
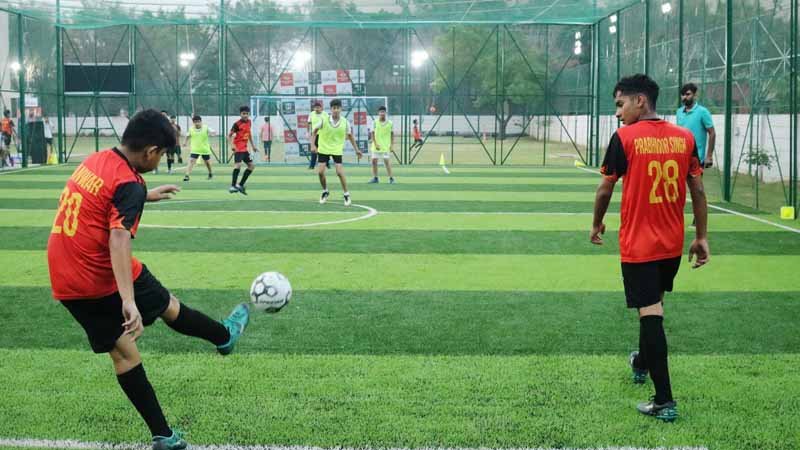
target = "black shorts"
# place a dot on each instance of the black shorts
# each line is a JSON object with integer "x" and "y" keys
{"x": 48, "y": 141}
{"x": 7, "y": 139}
{"x": 242, "y": 157}
{"x": 196, "y": 156}
{"x": 102, "y": 318}
{"x": 646, "y": 282}
{"x": 337, "y": 159}
{"x": 418, "y": 141}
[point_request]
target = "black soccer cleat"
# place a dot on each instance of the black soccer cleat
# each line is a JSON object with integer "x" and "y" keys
{"x": 241, "y": 189}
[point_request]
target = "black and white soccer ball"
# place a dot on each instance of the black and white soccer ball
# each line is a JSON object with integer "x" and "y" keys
{"x": 270, "y": 292}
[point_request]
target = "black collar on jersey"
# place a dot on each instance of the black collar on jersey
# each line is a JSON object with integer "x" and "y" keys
{"x": 133, "y": 169}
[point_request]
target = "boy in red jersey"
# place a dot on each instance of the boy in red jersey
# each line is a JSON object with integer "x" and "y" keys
{"x": 109, "y": 292}
{"x": 241, "y": 134}
{"x": 657, "y": 160}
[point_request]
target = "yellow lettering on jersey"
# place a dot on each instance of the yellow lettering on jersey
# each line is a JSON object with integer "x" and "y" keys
{"x": 659, "y": 146}
{"x": 86, "y": 179}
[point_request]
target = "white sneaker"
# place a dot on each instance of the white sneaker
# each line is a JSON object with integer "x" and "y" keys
{"x": 324, "y": 197}
{"x": 347, "y": 200}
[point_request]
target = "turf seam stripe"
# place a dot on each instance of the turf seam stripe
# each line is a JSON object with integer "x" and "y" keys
{"x": 79, "y": 445}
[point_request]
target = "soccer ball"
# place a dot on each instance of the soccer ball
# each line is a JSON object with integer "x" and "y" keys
{"x": 270, "y": 292}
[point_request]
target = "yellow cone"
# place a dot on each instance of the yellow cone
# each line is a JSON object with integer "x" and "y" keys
{"x": 787, "y": 212}
{"x": 441, "y": 160}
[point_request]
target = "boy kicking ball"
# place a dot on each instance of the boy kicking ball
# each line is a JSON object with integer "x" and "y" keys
{"x": 382, "y": 138}
{"x": 110, "y": 293}
{"x": 332, "y": 132}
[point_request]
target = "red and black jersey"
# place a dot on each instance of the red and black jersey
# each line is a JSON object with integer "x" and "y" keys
{"x": 6, "y": 125}
{"x": 241, "y": 132}
{"x": 654, "y": 157}
{"x": 105, "y": 192}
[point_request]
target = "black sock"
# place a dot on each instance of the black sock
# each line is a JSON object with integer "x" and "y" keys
{"x": 235, "y": 177}
{"x": 640, "y": 362}
{"x": 196, "y": 324}
{"x": 139, "y": 391}
{"x": 169, "y": 163}
{"x": 246, "y": 175}
{"x": 656, "y": 344}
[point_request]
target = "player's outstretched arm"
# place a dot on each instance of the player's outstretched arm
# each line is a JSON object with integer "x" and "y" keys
{"x": 164, "y": 192}
{"x": 699, "y": 247}
{"x": 601, "y": 201}
{"x": 119, "y": 244}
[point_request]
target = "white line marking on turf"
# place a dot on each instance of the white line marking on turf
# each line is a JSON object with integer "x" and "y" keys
{"x": 371, "y": 212}
{"x": 730, "y": 211}
{"x": 78, "y": 445}
{"x": 10, "y": 171}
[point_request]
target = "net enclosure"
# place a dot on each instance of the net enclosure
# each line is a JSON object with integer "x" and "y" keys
{"x": 523, "y": 82}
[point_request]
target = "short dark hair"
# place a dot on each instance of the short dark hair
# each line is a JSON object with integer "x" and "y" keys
{"x": 146, "y": 128}
{"x": 688, "y": 87}
{"x": 381, "y": 108}
{"x": 638, "y": 84}
{"x": 244, "y": 108}
{"x": 173, "y": 116}
{"x": 266, "y": 118}
{"x": 415, "y": 120}
{"x": 6, "y": 113}
{"x": 336, "y": 102}
{"x": 195, "y": 118}
{"x": 317, "y": 103}
{"x": 163, "y": 111}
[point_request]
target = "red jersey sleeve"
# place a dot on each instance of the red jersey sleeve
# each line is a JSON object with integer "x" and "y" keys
{"x": 127, "y": 206}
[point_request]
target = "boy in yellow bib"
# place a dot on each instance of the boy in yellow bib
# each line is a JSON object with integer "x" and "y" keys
{"x": 381, "y": 145}
{"x": 332, "y": 133}
{"x": 197, "y": 139}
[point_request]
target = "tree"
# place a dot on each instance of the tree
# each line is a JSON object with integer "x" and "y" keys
{"x": 519, "y": 83}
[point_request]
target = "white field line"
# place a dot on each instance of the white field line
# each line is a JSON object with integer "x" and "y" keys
{"x": 78, "y": 445}
{"x": 730, "y": 211}
{"x": 371, "y": 212}
{"x": 10, "y": 171}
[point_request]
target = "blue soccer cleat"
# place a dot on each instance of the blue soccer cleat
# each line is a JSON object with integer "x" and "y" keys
{"x": 235, "y": 323}
{"x": 639, "y": 375}
{"x": 667, "y": 412}
{"x": 174, "y": 442}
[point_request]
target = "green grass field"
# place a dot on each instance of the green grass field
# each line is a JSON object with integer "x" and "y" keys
{"x": 471, "y": 311}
